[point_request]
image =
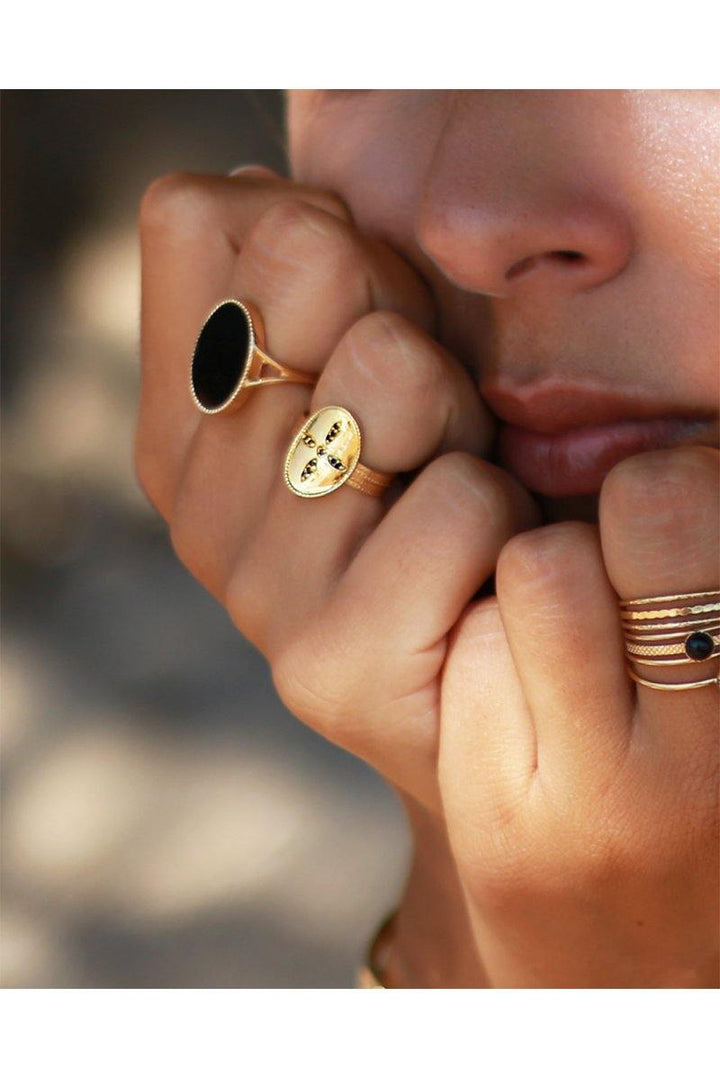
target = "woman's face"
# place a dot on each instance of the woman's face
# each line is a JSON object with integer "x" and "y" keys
{"x": 571, "y": 241}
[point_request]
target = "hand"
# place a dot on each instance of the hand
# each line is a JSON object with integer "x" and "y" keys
{"x": 350, "y": 598}
{"x": 582, "y": 809}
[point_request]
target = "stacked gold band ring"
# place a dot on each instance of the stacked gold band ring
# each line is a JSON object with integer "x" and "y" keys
{"x": 672, "y": 630}
{"x": 229, "y": 360}
{"x": 324, "y": 455}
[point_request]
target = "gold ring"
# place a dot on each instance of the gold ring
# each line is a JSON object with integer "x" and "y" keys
{"x": 660, "y": 633}
{"x": 673, "y": 686}
{"x": 229, "y": 359}
{"x": 325, "y": 455}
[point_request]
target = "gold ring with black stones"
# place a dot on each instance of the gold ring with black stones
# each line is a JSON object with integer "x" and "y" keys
{"x": 324, "y": 455}
{"x": 229, "y": 359}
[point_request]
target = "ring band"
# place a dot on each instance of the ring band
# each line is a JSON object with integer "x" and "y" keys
{"x": 673, "y": 686}
{"x": 229, "y": 359}
{"x": 369, "y": 481}
{"x": 325, "y": 455}
{"x": 682, "y": 611}
{"x": 655, "y": 637}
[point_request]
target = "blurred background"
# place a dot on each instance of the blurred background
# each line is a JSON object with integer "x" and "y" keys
{"x": 166, "y": 823}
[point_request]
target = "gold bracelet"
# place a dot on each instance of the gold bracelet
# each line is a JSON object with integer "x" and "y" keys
{"x": 372, "y": 974}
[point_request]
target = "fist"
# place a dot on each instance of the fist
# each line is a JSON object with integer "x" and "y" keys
{"x": 582, "y": 808}
{"x": 350, "y": 597}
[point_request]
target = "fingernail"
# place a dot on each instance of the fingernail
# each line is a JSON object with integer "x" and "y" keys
{"x": 253, "y": 170}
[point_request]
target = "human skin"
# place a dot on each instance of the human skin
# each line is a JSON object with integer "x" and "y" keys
{"x": 495, "y": 719}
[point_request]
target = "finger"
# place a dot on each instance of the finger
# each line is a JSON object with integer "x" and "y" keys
{"x": 659, "y": 523}
{"x": 191, "y": 230}
{"x": 293, "y": 254}
{"x": 487, "y": 742}
{"x": 435, "y": 548}
{"x": 380, "y": 639}
{"x": 312, "y": 276}
{"x": 560, "y": 614}
{"x": 412, "y": 399}
{"x": 413, "y": 402}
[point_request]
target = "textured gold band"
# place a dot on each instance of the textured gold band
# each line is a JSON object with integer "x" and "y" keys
{"x": 669, "y": 598}
{"x": 656, "y": 651}
{"x": 677, "y": 612}
{"x": 369, "y": 481}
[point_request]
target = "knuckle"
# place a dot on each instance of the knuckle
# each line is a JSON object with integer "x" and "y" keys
{"x": 658, "y": 486}
{"x": 480, "y": 620}
{"x": 544, "y": 558}
{"x": 291, "y": 232}
{"x": 305, "y": 680}
{"x": 385, "y": 349}
{"x": 172, "y": 201}
{"x": 329, "y": 202}
{"x": 476, "y": 489}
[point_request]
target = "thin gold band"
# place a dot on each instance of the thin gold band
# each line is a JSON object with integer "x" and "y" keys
{"x": 639, "y": 638}
{"x": 672, "y": 662}
{"x": 283, "y": 373}
{"x": 672, "y": 686}
{"x": 643, "y": 629}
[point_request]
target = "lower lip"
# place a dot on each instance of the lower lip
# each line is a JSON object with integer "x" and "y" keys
{"x": 577, "y": 461}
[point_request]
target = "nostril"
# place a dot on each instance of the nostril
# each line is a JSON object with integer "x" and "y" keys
{"x": 520, "y": 267}
{"x": 567, "y": 256}
{"x": 527, "y": 264}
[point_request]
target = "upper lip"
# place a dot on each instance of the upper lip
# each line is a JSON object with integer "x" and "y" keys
{"x": 554, "y": 406}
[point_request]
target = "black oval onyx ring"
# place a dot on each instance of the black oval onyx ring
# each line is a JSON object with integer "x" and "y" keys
{"x": 672, "y": 630}
{"x": 229, "y": 360}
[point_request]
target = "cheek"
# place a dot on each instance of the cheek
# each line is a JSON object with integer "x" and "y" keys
{"x": 677, "y": 134}
{"x": 372, "y": 147}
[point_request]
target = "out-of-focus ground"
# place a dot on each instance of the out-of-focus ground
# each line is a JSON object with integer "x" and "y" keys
{"x": 166, "y": 823}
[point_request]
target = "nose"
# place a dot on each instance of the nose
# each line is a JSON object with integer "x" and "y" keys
{"x": 519, "y": 201}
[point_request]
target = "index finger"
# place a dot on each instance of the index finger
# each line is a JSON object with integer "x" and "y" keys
{"x": 192, "y": 229}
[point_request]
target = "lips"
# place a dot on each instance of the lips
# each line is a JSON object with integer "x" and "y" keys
{"x": 561, "y": 440}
